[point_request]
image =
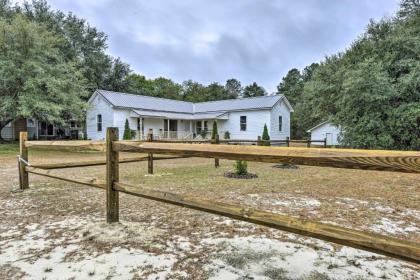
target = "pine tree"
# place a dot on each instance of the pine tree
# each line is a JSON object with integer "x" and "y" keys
{"x": 214, "y": 131}
{"x": 265, "y": 136}
{"x": 127, "y": 131}
{"x": 241, "y": 167}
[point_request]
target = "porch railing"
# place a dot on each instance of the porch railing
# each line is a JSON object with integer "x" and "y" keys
{"x": 179, "y": 135}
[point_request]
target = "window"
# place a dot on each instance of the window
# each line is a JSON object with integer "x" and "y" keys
{"x": 73, "y": 124}
{"x": 30, "y": 122}
{"x": 99, "y": 122}
{"x": 206, "y": 126}
{"x": 280, "y": 123}
{"x": 47, "y": 129}
{"x": 243, "y": 123}
{"x": 165, "y": 125}
{"x": 198, "y": 126}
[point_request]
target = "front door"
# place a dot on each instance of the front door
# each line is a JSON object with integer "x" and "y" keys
{"x": 170, "y": 128}
{"x": 329, "y": 139}
{"x": 173, "y": 125}
{"x": 198, "y": 127}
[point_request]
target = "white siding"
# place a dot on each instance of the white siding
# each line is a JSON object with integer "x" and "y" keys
{"x": 280, "y": 109}
{"x": 184, "y": 125}
{"x": 120, "y": 115}
{"x": 320, "y": 133}
{"x": 98, "y": 106}
{"x": 155, "y": 124}
{"x": 254, "y": 126}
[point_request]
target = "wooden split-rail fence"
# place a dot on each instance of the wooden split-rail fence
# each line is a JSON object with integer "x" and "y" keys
{"x": 397, "y": 161}
{"x": 259, "y": 142}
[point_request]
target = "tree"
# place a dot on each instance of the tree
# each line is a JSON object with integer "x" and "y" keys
{"x": 215, "y": 91}
{"x": 308, "y": 72}
{"x": 138, "y": 84}
{"x": 80, "y": 41}
{"x": 409, "y": 7}
{"x": 233, "y": 88}
{"x": 193, "y": 91}
{"x": 214, "y": 132}
{"x": 265, "y": 136}
{"x": 127, "y": 131}
{"x": 37, "y": 81}
{"x": 372, "y": 90}
{"x": 166, "y": 88}
{"x": 117, "y": 78}
{"x": 291, "y": 86}
{"x": 253, "y": 90}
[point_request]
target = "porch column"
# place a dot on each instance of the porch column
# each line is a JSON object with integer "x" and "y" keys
{"x": 191, "y": 127}
{"x": 139, "y": 129}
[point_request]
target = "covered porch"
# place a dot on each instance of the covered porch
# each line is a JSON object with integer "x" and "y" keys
{"x": 174, "y": 125}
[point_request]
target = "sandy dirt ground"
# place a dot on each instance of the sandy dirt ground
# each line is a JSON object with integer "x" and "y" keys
{"x": 57, "y": 230}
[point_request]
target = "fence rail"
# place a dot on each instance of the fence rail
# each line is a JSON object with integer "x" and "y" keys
{"x": 360, "y": 159}
{"x": 376, "y": 243}
{"x": 258, "y": 141}
{"x": 97, "y": 162}
{"x": 399, "y": 161}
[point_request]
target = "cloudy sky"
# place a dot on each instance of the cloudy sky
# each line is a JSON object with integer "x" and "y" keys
{"x": 213, "y": 40}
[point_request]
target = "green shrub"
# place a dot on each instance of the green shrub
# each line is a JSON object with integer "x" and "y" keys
{"x": 241, "y": 167}
{"x": 214, "y": 132}
{"x": 227, "y": 135}
{"x": 133, "y": 134}
{"x": 203, "y": 133}
{"x": 127, "y": 131}
{"x": 265, "y": 136}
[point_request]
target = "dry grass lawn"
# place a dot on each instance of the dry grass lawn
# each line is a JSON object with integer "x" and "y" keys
{"x": 56, "y": 230}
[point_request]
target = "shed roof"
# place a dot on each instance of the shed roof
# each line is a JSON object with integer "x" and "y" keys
{"x": 318, "y": 125}
{"x": 134, "y": 101}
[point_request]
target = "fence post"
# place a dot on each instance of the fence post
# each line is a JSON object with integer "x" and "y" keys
{"x": 288, "y": 141}
{"x": 112, "y": 175}
{"x": 308, "y": 144}
{"x": 216, "y": 160}
{"x": 150, "y": 159}
{"x": 325, "y": 142}
{"x": 23, "y": 154}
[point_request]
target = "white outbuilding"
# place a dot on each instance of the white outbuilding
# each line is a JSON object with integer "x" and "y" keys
{"x": 325, "y": 130}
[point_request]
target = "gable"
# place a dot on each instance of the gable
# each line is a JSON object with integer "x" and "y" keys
{"x": 328, "y": 126}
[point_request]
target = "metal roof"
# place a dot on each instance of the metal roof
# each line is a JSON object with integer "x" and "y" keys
{"x": 179, "y": 116}
{"x": 127, "y": 100}
{"x": 318, "y": 125}
{"x": 237, "y": 104}
{"x": 142, "y": 102}
{"x": 210, "y": 116}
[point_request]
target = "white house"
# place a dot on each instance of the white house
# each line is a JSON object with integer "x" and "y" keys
{"x": 325, "y": 130}
{"x": 242, "y": 118}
